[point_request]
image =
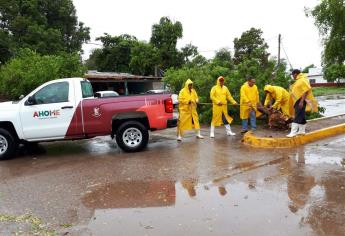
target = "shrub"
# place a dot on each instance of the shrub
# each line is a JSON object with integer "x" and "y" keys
{"x": 27, "y": 70}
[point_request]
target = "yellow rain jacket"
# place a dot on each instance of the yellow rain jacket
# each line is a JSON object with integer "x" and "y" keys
{"x": 282, "y": 99}
{"x": 248, "y": 95}
{"x": 220, "y": 94}
{"x": 300, "y": 87}
{"x": 188, "y": 116}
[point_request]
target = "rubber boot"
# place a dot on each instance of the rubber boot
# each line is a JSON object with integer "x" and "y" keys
{"x": 301, "y": 129}
{"x": 228, "y": 130}
{"x": 212, "y": 132}
{"x": 198, "y": 134}
{"x": 179, "y": 136}
{"x": 294, "y": 130}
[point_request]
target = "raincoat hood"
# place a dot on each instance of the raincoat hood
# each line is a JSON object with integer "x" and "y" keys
{"x": 269, "y": 88}
{"x": 219, "y": 78}
{"x": 188, "y": 82}
{"x": 301, "y": 75}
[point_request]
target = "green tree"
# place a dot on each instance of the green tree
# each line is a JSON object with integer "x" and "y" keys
{"x": 189, "y": 52}
{"x": 251, "y": 45}
{"x": 199, "y": 60}
{"x": 223, "y": 57}
{"x": 144, "y": 58}
{"x": 28, "y": 69}
{"x": 91, "y": 63}
{"x": 5, "y": 45}
{"x": 164, "y": 37}
{"x": 335, "y": 72}
{"x": 329, "y": 17}
{"x": 116, "y": 53}
{"x": 205, "y": 75}
{"x": 46, "y": 26}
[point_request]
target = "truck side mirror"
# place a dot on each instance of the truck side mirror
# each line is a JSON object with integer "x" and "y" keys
{"x": 31, "y": 101}
{"x": 21, "y": 97}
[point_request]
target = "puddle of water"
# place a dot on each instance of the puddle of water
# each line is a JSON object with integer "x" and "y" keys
{"x": 101, "y": 145}
{"x": 327, "y": 151}
{"x": 331, "y": 97}
{"x": 221, "y": 210}
{"x": 280, "y": 198}
{"x": 334, "y": 106}
{"x": 321, "y": 159}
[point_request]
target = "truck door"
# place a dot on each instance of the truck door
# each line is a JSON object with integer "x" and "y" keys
{"x": 48, "y": 113}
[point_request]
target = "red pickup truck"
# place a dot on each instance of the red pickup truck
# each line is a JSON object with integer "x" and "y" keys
{"x": 67, "y": 109}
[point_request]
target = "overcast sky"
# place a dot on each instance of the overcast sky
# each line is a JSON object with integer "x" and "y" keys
{"x": 210, "y": 25}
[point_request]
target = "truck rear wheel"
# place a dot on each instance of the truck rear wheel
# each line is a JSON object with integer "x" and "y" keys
{"x": 8, "y": 145}
{"x": 132, "y": 136}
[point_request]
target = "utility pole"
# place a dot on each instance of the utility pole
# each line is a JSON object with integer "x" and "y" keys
{"x": 279, "y": 42}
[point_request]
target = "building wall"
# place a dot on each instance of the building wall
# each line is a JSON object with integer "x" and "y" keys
{"x": 316, "y": 79}
{"x": 315, "y": 76}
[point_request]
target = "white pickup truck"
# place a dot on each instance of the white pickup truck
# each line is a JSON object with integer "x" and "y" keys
{"x": 67, "y": 109}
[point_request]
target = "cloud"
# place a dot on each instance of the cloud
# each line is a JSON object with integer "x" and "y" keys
{"x": 210, "y": 25}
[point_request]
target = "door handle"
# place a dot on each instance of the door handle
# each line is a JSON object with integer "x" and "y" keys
{"x": 67, "y": 107}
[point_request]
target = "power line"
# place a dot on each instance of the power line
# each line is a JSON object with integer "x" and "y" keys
{"x": 286, "y": 54}
{"x": 98, "y": 44}
{"x": 272, "y": 38}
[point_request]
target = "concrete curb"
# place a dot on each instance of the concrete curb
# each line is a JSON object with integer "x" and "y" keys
{"x": 262, "y": 142}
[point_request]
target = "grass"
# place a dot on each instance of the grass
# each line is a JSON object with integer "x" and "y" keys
{"x": 321, "y": 91}
{"x": 37, "y": 226}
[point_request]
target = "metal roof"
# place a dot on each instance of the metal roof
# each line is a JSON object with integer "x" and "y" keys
{"x": 95, "y": 75}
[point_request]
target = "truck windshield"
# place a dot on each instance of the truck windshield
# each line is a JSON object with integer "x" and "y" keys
{"x": 86, "y": 89}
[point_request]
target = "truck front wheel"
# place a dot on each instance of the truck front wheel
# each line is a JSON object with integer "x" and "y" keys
{"x": 132, "y": 136}
{"x": 8, "y": 144}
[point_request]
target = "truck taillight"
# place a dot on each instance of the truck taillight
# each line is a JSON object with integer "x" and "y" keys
{"x": 169, "y": 106}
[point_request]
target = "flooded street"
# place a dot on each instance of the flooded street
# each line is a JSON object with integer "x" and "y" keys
{"x": 334, "y": 104}
{"x": 197, "y": 187}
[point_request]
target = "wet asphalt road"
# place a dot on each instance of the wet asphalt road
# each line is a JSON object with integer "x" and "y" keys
{"x": 197, "y": 187}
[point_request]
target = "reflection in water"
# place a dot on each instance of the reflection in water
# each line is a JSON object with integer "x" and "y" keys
{"x": 194, "y": 209}
{"x": 222, "y": 190}
{"x": 252, "y": 184}
{"x": 299, "y": 182}
{"x": 327, "y": 217}
{"x": 191, "y": 181}
{"x": 190, "y": 185}
{"x": 325, "y": 208}
{"x": 221, "y": 182}
{"x": 237, "y": 169}
{"x": 133, "y": 194}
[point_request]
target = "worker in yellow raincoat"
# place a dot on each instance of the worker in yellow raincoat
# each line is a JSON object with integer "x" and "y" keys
{"x": 248, "y": 104}
{"x": 281, "y": 97}
{"x": 188, "y": 116}
{"x": 303, "y": 100}
{"x": 220, "y": 95}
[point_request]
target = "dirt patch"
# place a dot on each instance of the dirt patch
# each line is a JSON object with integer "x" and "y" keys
{"x": 311, "y": 126}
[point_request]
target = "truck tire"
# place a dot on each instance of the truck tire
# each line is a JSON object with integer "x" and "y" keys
{"x": 8, "y": 145}
{"x": 132, "y": 136}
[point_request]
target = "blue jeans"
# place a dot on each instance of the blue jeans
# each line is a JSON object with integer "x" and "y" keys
{"x": 252, "y": 117}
